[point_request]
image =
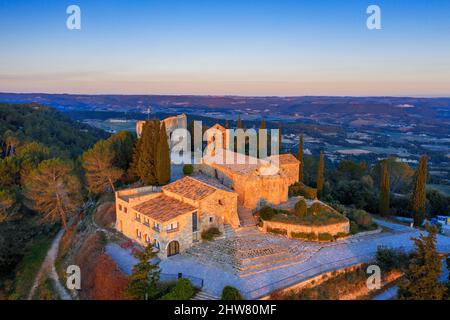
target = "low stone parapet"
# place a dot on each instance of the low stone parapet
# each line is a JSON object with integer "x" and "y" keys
{"x": 308, "y": 232}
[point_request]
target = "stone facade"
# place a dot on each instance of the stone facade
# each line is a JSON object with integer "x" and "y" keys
{"x": 172, "y": 123}
{"x": 254, "y": 187}
{"x": 160, "y": 216}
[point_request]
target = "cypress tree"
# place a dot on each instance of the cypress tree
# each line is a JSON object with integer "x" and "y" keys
{"x": 146, "y": 153}
{"x": 300, "y": 158}
{"x": 320, "y": 172}
{"x": 384, "y": 190}
{"x": 422, "y": 275}
{"x": 263, "y": 124}
{"x": 163, "y": 157}
{"x": 418, "y": 198}
{"x": 227, "y": 125}
{"x": 239, "y": 123}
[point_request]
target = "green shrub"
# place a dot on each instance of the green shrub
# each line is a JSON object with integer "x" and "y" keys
{"x": 267, "y": 213}
{"x": 188, "y": 169}
{"x": 301, "y": 208}
{"x": 354, "y": 229}
{"x": 340, "y": 235}
{"x": 211, "y": 233}
{"x": 300, "y": 189}
{"x": 362, "y": 218}
{"x": 311, "y": 236}
{"x": 183, "y": 290}
{"x": 388, "y": 258}
{"x": 277, "y": 231}
{"x": 325, "y": 237}
{"x": 231, "y": 293}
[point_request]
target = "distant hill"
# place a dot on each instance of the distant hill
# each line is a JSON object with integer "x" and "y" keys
{"x": 48, "y": 126}
{"x": 427, "y": 107}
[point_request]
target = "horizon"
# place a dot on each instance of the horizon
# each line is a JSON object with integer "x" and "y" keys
{"x": 232, "y": 95}
{"x": 249, "y": 48}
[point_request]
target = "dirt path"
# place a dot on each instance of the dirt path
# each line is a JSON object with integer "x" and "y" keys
{"x": 48, "y": 268}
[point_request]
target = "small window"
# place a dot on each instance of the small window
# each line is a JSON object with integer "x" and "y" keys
{"x": 120, "y": 207}
{"x": 211, "y": 219}
{"x": 125, "y": 209}
{"x": 172, "y": 226}
{"x": 221, "y": 202}
{"x": 138, "y": 234}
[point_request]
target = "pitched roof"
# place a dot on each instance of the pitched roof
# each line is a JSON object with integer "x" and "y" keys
{"x": 190, "y": 188}
{"x": 213, "y": 182}
{"x": 163, "y": 208}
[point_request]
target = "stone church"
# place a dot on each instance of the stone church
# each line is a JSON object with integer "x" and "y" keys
{"x": 173, "y": 217}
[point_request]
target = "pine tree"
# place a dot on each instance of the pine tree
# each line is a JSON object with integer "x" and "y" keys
{"x": 121, "y": 145}
{"x": 300, "y": 158}
{"x": 145, "y": 155}
{"x": 101, "y": 174}
{"x": 384, "y": 191}
{"x": 418, "y": 198}
{"x": 144, "y": 279}
{"x": 163, "y": 157}
{"x": 320, "y": 172}
{"x": 53, "y": 190}
{"x": 422, "y": 276}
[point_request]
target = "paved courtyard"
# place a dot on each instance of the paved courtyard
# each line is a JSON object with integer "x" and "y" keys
{"x": 257, "y": 263}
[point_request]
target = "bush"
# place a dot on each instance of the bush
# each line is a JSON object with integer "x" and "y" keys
{"x": 183, "y": 290}
{"x": 231, "y": 293}
{"x": 354, "y": 229}
{"x": 211, "y": 233}
{"x": 388, "y": 258}
{"x": 316, "y": 207}
{"x": 277, "y": 231}
{"x": 300, "y": 189}
{"x": 325, "y": 237}
{"x": 267, "y": 213}
{"x": 301, "y": 208}
{"x": 340, "y": 235}
{"x": 304, "y": 235}
{"x": 362, "y": 218}
{"x": 188, "y": 169}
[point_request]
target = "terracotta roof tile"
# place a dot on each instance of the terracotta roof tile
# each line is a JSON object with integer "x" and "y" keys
{"x": 190, "y": 188}
{"x": 163, "y": 208}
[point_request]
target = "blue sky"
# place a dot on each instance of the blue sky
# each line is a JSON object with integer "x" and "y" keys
{"x": 302, "y": 47}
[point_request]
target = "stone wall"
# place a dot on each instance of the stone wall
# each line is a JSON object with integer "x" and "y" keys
{"x": 253, "y": 190}
{"x": 333, "y": 229}
{"x": 172, "y": 123}
{"x": 222, "y": 206}
{"x": 292, "y": 172}
{"x": 127, "y": 224}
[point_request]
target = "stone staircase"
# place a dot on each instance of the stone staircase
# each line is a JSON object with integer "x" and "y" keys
{"x": 203, "y": 295}
{"x": 246, "y": 217}
{"x": 246, "y": 251}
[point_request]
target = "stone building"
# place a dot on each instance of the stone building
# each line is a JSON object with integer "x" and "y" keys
{"x": 173, "y": 217}
{"x": 257, "y": 182}
{"x": 172, "y": 123}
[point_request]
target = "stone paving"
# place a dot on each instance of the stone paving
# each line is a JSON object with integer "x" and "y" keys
{"x": 319, "y": 258}
{"x": 257, "y": 263}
